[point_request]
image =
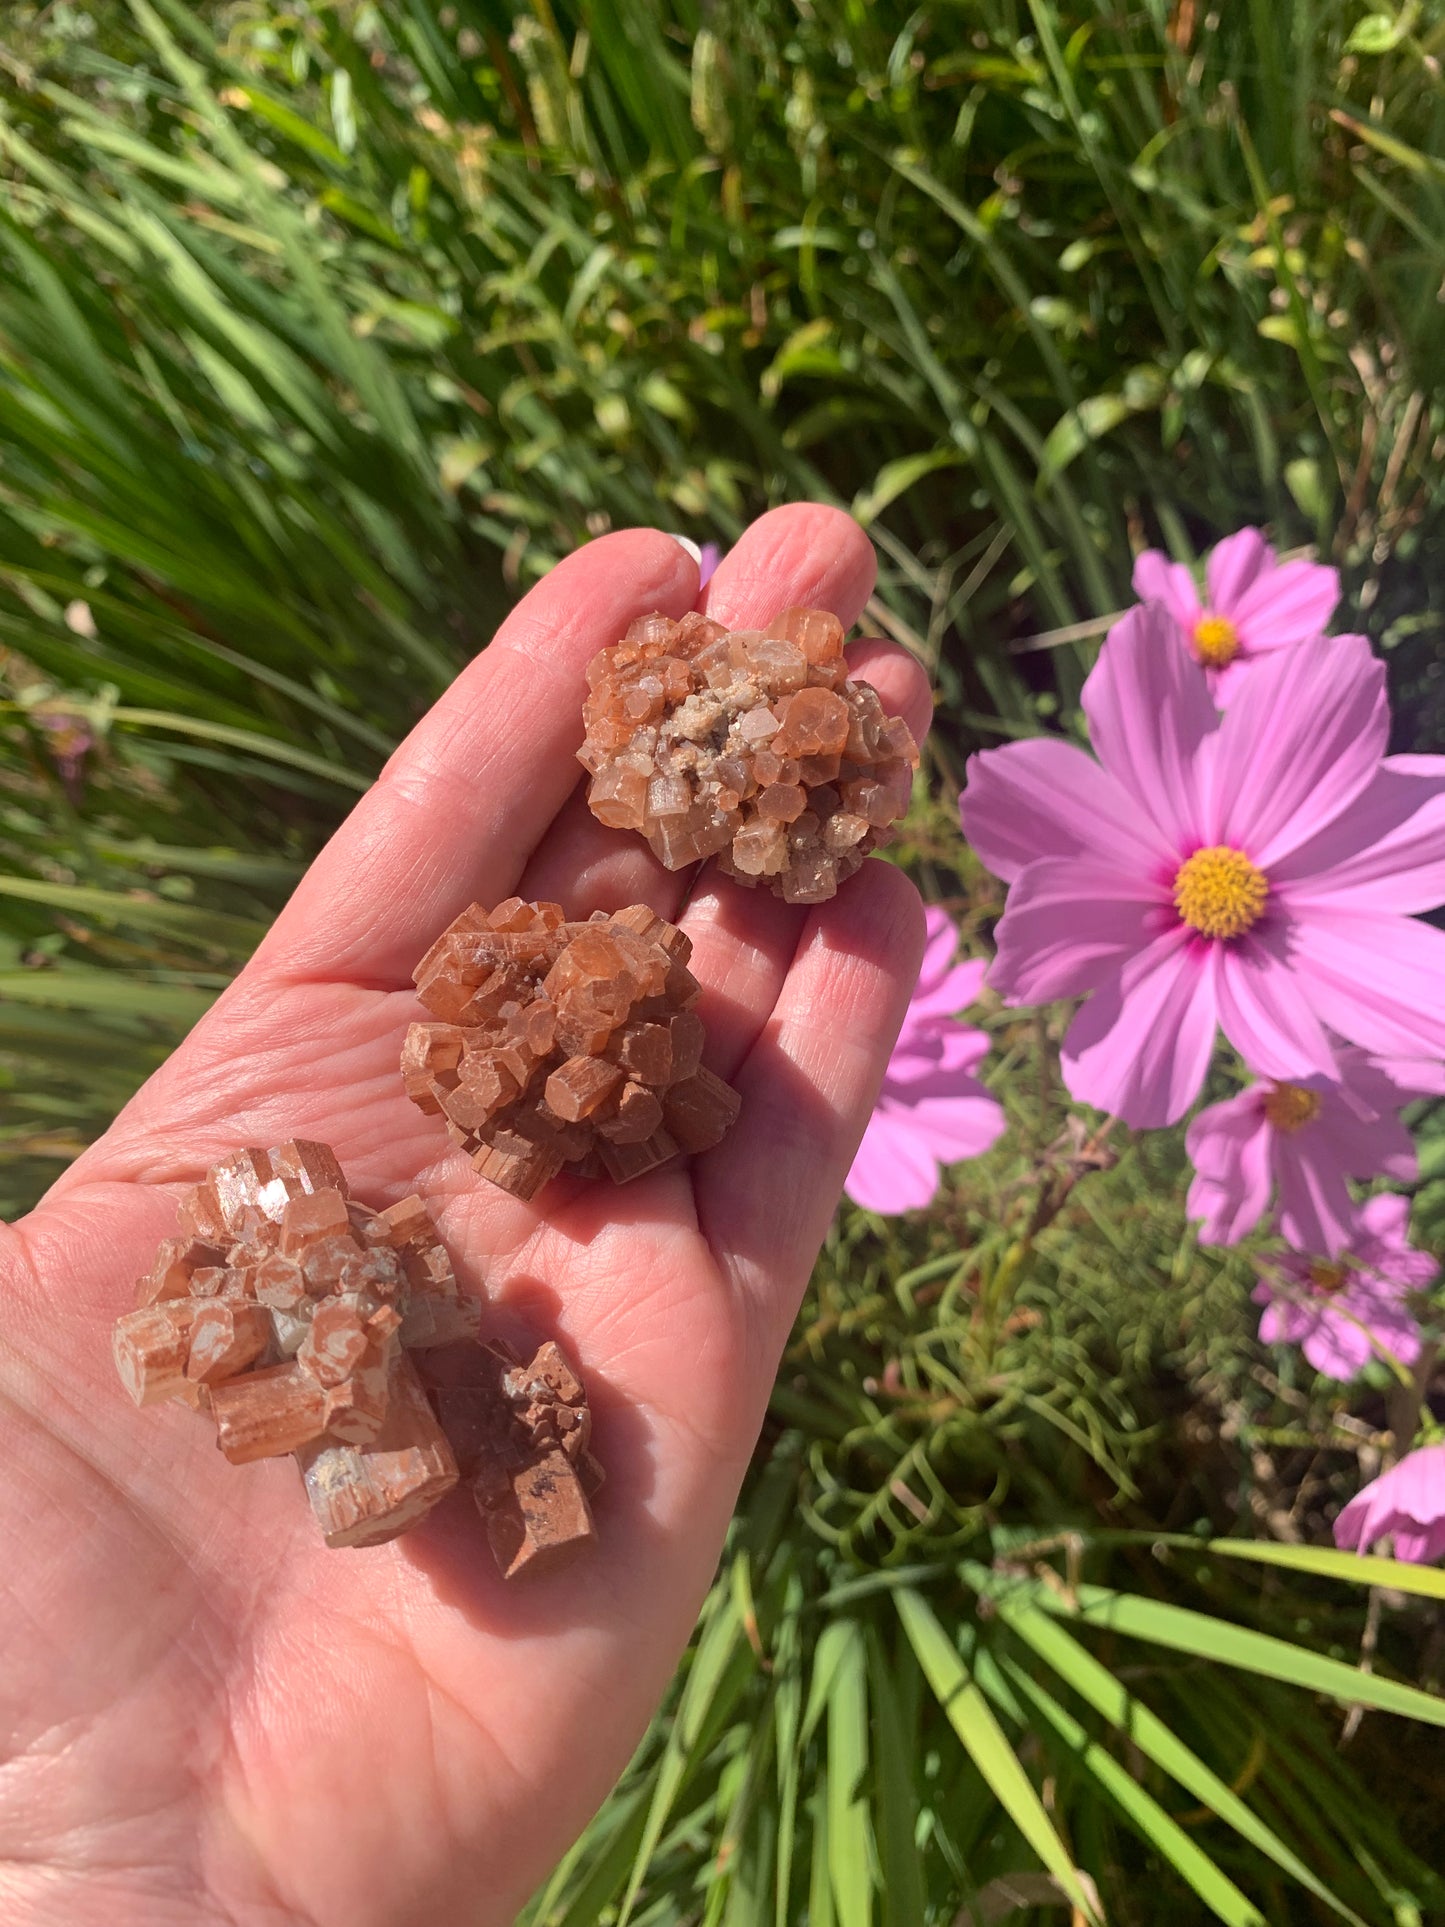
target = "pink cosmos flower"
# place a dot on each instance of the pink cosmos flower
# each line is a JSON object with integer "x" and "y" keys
{"x": 1257, "y": 872}
{"x": 1252, "y": 604}
{"x": 932, "y": 1110}
{"x": 1341, "y": 1311}
{"x": 1408, "y": 1501}
{"x": 1304, "y": 1142}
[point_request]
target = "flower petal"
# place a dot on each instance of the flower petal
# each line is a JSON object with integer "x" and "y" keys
{"x": 1263, "y": 1015}
{"x": 939, "y": 946}
{"x": 1150, "y": 717}
{"x": 1390, "y": 1324}
{"x": 1048, "y": 798}
{"x": 1285, "y": 605}
{"x": 964, "y": 1124}
{"x": 1226, "y": 683}
{"x": 1141, "y": 1046}
{"x": 1229, "y": 1146}
{"x": 1408, "y": 1500}
{"x": 1234, "y": 566}
{"x": 1302, "y": 739}
{"x": 1416, "y": 1486}
{"x": 1315, "y": 1211}
{"x": 1069, "y": 925}
{"x": 1379, "y": 981}
{"x": 1336, "y": 1344}
{"x": 948, "y": 994}
{"x": 1373, "y": 1147}
{"x": 1421, "y": 1548}
{"x": 892, "y": 1171}
{"x": 1157, "y": 579}
{"x": 932, "y": 1061}
{"x": 1387, "y": 1217}
{"x": 1388, "y": 853}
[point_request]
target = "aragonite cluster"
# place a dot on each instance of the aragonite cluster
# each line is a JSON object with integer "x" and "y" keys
{"x": 289, "y": 1313}
{"x": 521, "y": 1432}
{"x": 562, "y": 1043}
{"x": 751, "y": 746}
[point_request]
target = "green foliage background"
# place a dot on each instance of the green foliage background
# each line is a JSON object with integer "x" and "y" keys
{"x": 324, "y": 330}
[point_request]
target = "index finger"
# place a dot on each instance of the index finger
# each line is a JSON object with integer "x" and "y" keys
{"x": 463, "y": 802}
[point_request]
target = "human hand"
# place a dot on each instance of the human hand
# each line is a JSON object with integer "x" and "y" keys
{"x": 210, "y": 1717}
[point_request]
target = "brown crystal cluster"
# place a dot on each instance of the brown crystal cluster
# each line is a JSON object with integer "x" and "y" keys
{"x": 751, "y": 746}
{"x": 288, "y": 1312}
{"x": 564, "y": 1044}
{"x": 521, "y": 1434}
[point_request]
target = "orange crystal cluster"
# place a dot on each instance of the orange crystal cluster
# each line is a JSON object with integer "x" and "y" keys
{"x": 751, "y": 746}
{"x": 564, "y": 1044}
{"x": 286, "y": 1310}
{"x": 521, "y": 1434}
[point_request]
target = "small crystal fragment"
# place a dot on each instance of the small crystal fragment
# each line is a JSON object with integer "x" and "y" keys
{"x": 268, "y": 1413}
{"x": 586, "y": 1028}
{"x": 365, "y": 1494}
{"x": 152, "y": 1348}
{"x": 521, "y": 1434}
{"x": 701, "y": 1111}
{"x": 714, "y": 744}
{"x": 226, "y": 1337}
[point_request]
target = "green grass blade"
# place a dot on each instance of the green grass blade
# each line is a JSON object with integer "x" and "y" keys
{"x": 971, "y": 1717}
{"x": 787, "y": 1720}
{"x": 1214, "y": 1887}
{"x": 895, "y": 1774}
{"x": 1324, "y": 1562}
{"x": 1155, "y": 1739}
{"x": 265, "y": 746}
{"x": 1183, "y": 1630}
{"x": 717, "y": 1651}
{"x": 214, "y": 928}
{"x": 105, "y": 990}
{"x": 842, "y": 1658}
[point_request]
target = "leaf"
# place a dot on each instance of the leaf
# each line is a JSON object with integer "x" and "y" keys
{"x": 1186, "y": 1631}
{"x": 1144, "y": 1728}
{"x": 845, "y": 1665}
{"x": 1359, "y": 1569}
{"x": 716, "y": 1654}
{"x": 1097, "y": 415}
{"x": 807, "y": 351}
{"x": 106, "y": 990}
{"x": 190, "y": 925}
{"x": 1378, "y": 33}
{"x": 1214, "y": 1888}
{"x": 894, "y": 478}
{"x": 970, "y": 1716}
{"x": 265, "y": 746}
{"x": 1395, "y": 150}
{"x": 1306, "y": 481}
{"x": 894, "y": 1795}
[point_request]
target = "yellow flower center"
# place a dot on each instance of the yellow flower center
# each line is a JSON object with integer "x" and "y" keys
{"x": 1216, "y": 641}
{"x": 1219, "y": 893}
{"x": 1327, "y": 1278}
{"x": 1289, "y": 1107}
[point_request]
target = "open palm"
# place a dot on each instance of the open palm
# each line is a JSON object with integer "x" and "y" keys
{"x": 207, "y": 1715}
